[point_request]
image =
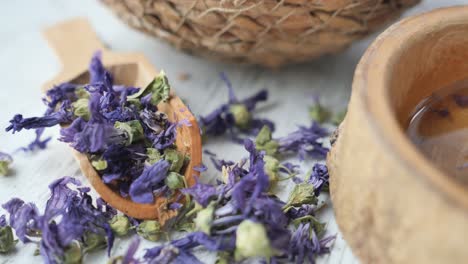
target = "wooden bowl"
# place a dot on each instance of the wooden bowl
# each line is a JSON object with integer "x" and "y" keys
{"x": 266, "y": 32}
{"x": 391, "y": 203}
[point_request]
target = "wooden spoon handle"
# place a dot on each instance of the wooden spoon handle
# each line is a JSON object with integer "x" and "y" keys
{"x": 74, "y": 41}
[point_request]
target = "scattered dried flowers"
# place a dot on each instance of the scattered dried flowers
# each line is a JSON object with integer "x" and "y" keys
{"x": 130, "y": 144}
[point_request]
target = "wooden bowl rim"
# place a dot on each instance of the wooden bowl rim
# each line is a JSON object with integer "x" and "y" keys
{"x": 372, "y": 86}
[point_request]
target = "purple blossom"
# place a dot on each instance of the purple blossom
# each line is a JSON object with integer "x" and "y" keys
{"x": 304, "y": 141}
{"x": 141, "y": 190}
{"x": 37, "y": 143}
{"x": 23, "y": 218}
{"x": 18, "y": 122}
{"x": 129, "y": 257}
{"x": 68, "y": 215}
{"x": 202, "y": 193}
{"x": 96, "y": 69}
{"x": 166, "y": 138}
{"x": 200, "y": 168}
{"x": 3, "y": 221}
{"x": 223, "y": 120}
{"x": 92, "y": 137}
{"x": 306, "y": 245}
{"x": 60, "y": 93}
{"x": 319, "y": 178}
{"x": 178, "y": 251}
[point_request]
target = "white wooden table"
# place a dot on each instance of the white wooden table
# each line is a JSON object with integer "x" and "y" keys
{"x": 26, "y": 62}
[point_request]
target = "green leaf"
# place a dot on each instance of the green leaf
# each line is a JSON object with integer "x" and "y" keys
{"x": 99, "y": 164}
{"x": 174, "y": 181}
{"x": 175, "y": 158}
{"x": 303, "y": 193}
{"x": 318, "y": 113}
{"x": 265, "y": 142}
{"x": 159, "y": 89}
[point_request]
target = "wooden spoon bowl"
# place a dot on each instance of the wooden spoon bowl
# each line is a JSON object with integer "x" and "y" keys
{"x": 74, "y": 42}
{"x": 391, "y": 203}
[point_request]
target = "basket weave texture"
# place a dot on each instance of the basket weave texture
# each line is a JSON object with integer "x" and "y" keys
{"x": 266, "y": 32}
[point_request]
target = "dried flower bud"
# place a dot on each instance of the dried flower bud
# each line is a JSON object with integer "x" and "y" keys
{"x": 241, "y": 115}
{"x": 72, "y": 254}
{"x": 81, "y": 108}
{"x": 174, "y": 181}
{"x": 175, "y": 158}
{"x": 132, "y": 129}
{"x": 150, "y": 230}
{"x": 93, "y": 241}
{"x": 120, "y": 225}
{"x": 264, "y": 142}
{"x": 153, "y": 156}
{"x": 204, "y": 219}
{"x": 303, "y": 193}
{"x": 7, "y": 242}
{"x": 81, "y": 93}
{"x": 99, "y": 164}
{"x": 318, "y": 113}
{"x": 252, "y": 241}
{"x": 271, "y": 169}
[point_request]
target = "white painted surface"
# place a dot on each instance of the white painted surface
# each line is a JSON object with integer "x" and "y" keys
{"x": 26, "y": 62}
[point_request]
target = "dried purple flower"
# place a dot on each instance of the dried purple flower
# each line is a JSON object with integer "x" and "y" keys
{"x": 306, "y": 245}
{"x": 18, "y": 122}
{"x": 235, "y": 114}
{"x": 202, "y": 193}
{"x": 141, "y": 190}
{"x": 319, "y": 178}
{"x": 305, "y": 142}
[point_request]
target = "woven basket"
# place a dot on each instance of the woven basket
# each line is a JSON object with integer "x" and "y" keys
{"x": 266, "y": 32}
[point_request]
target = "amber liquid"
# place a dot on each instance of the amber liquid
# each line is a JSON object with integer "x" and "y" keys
{"x": 439, "y": 127}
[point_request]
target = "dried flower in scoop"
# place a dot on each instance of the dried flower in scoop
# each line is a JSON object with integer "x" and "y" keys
{"x": 120, "y": 225}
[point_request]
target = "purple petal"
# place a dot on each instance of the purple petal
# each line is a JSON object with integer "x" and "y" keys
{"x": 141, "y": 190}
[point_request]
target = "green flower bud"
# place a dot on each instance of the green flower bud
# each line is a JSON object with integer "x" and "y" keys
{"x": 272, "y": 169}
{"x": 174, "y": 181}
{"x": 132, "y": 129}
{"x": 223, "y": 257}
{"x": 153, "y": 156}
{"x": 4, "y": 167}
{"x": 120, "y": 225}
{"x": 81, "y": 108}
{"x": 150, "y": 230}
{"x": 93, "y": 242}
{"x": 99, "y": 164}
{"x": 7, "y": 242}
{"x": 252, "y": 241}
{"x": 175, "y": 158}
{"x": 303, "y": 193}
{"x": 338, "y": 117}
{"x": 264, "y": 142}
{"x": 204, "y": 219}
{"x": 318, "y": 113}
{"x": 241, "y": 115}
{"x": 72, "y": 254}
{"x": 159, "y": 89}
{"x": 81, "y": 93}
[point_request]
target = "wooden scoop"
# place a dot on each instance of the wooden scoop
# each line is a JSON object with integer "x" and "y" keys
{"x": 74, "y": 41}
